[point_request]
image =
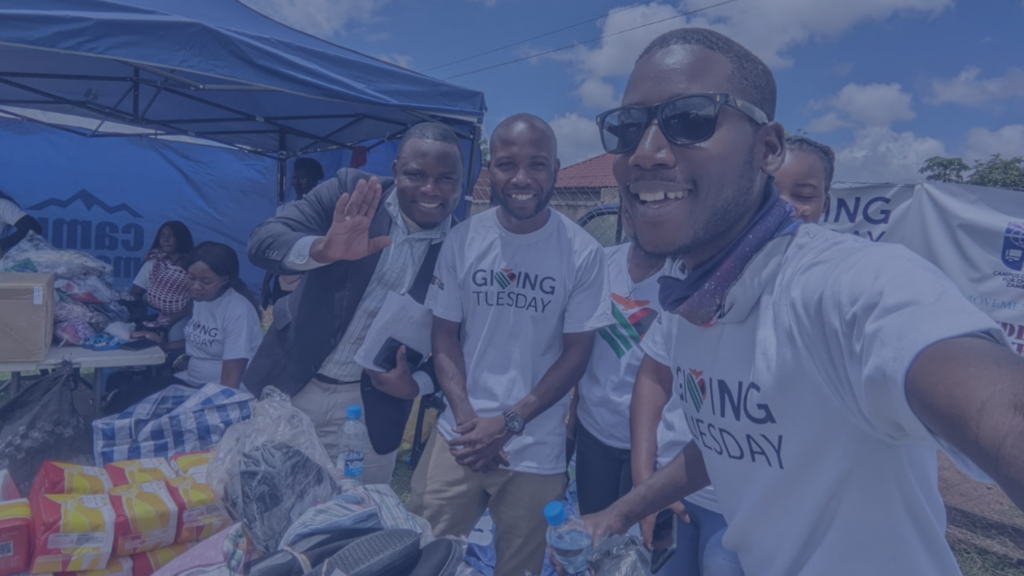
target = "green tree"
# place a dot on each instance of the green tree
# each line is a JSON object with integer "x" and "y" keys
{"x": 999, "y": 172}
{"x": 996, "y": 172}
{"x": 484, "y": 144}
{"x": 942, "y": 169}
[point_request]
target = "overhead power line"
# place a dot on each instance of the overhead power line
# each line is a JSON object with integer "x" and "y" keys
{"x": 537, "y": 37}
{"x": 592, "y": 40}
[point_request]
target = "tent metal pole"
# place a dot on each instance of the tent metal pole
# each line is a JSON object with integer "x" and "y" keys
{"x": 135, "y": 95}
{"x": 282, "y": 166}
{"x": 467, "y": 197}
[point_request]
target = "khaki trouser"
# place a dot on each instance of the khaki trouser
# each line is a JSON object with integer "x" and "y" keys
{"x": 325, "y": 404}
{"x": 453, "y": 498}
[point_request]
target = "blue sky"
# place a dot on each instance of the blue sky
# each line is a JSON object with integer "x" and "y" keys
{"x": 887, "y": 83}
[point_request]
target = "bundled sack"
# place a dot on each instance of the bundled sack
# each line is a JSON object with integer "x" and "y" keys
{"x": 42, "y": 424}
{"x": 72, "y": 532}
{"x": 371, "y": 506}
{"x": 146, "y": 518}
{"x": 386, "y": 552}
{"x": 176, "y": 420}
{"x": 191, "y": 462}
{"x": 35, "y": 254}
{"x": 306, "y": 553}
{"x": 146, "y": 563}
{"x": 200, "y": 514}
{"x": 138, "y": 471}
{"x": 270, "y": 469}
{"x": 15, "y": 536}
{"x": 65, "y": 478}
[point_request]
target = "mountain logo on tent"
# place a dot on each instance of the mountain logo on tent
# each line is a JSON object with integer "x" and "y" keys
{"x": 89, "y": 200}
{"x": 1013, "y": 246}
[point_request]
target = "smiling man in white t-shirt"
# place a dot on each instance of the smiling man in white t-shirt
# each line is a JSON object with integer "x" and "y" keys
{"x": 818, "y": 372}
{"x": 518, "y": 292}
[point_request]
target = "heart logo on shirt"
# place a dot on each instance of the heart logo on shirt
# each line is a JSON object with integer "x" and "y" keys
{"x": 696, "y": 388}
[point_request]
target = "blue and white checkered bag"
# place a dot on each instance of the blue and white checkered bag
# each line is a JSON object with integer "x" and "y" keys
{"x": 175, "y": 420}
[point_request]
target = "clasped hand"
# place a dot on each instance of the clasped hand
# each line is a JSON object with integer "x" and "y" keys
{"x": 481, "y": 444}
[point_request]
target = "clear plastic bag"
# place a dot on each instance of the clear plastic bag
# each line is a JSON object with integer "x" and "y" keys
{"x": 620, "y": 555}
{"x": 89, "y": 289}
{"x": 270, "y": 469}
{"x": 35, "y": 254}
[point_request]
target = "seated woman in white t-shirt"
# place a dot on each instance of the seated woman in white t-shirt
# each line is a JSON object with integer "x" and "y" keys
{"x": 14, "y": 218}
{"x": 223, "y": 333}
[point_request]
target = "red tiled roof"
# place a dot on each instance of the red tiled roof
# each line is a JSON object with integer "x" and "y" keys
{"x": 593, "y": 173}
{"x": 482, "y": 187}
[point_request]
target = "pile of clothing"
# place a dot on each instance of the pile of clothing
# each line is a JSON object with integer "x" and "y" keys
{"x": 85, "y": 303}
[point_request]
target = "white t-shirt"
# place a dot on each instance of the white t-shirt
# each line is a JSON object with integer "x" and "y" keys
{"x": 607, "y": 386}
{"x": 515, "y": 296}
{"x": 9, "y": 213}
{"x": 226, "y": 329}
{"x": 142, "y": 278}
{"x": 796, "y": 398}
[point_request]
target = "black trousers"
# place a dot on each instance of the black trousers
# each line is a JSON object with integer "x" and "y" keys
{"x": 603, "y": 473}
{"x": 127, "y": 387}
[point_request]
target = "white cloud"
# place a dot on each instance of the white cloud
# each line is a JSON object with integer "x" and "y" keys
{"x": 828, "y": 123}
{"x": 402, "y": 60}
{"x": 879, "y": 154}
{"x": 767, "y": 27}
{"x": 322, "y": 18}
{"x": 770, "y": 27}
{"x": 968, "y": 89}
{"x": 863, "y": 105}
{"x": 982, "y": 143}
{"x": 597, "y": 93}
{"x": 578, "y": 138}
{"x": 874, "y": 104}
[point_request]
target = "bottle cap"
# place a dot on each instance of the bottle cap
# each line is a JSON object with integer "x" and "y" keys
{"x": 354, "y": 412}
{"x": 554, "y": 513}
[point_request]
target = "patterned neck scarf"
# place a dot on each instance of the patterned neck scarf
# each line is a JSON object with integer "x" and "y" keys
{"x": 699, "y": 296}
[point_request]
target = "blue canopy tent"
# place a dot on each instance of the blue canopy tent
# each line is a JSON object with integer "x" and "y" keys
{"x": 146, "y": 72}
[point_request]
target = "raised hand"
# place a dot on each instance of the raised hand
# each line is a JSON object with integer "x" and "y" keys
{"x": 349, "y": 235}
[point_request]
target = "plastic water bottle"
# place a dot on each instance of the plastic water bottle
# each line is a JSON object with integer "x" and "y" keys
{"x": 352, "y": 440}
{"x": 568, "y": 538}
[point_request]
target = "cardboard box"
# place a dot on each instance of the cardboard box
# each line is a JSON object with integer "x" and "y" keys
{"x": 26, "y": 316}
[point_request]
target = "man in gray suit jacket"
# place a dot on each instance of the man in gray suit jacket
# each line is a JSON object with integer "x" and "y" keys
{"x": 356, "y": 237}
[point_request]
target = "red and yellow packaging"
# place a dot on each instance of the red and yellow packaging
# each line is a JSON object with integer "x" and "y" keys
{"x": 8, "y": 489}
{"x": 139, "y": 471}
{"x": 192, "y": 462}
{"x": 15, "y": 536}
{"x": 200, "y": 515}
{"x": 73, "y": 532}
{"x": 148, "y": 562}
{"x": 61, "y": 478}
{"x": 146, "y": 518}
{"x": 116, "y": 567}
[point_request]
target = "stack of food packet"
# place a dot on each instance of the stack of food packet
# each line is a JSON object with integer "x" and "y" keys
{"x": 128, "y": 519}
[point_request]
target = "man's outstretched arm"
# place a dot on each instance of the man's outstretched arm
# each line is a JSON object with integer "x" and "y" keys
{"x": 969, "y": 391}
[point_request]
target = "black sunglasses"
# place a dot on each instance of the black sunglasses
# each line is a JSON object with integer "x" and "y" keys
{"x": 687, "y": 119}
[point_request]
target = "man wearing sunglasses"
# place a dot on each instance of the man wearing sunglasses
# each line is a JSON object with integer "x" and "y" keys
{"x": 819, "y": 373}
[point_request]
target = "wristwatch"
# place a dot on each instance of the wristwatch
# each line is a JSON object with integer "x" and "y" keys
{"x": 514, "y": 423}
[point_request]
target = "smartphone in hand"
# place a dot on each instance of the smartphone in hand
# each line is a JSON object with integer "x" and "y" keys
{"x": 387, "y": 356}
{"x": 663, "y": 541}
